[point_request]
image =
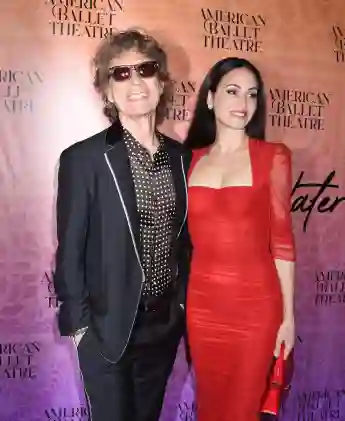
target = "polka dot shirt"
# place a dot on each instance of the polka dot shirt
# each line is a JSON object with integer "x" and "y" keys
{"x": 156, "y": 205}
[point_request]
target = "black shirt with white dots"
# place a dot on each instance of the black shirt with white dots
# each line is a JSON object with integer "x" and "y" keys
{"x": 156, "y": 205}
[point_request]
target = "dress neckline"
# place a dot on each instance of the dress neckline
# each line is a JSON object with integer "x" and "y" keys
{"x": 202, "y": 152}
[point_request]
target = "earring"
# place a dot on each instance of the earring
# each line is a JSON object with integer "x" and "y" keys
{"x": 107, "y": 103}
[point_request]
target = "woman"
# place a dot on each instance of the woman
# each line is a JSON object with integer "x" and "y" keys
{"x": 240, "y": 296}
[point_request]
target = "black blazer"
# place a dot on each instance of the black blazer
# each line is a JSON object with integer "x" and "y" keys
{"x": 98, "y": 274}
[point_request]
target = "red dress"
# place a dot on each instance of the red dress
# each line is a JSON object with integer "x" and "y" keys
{"x": 234, "y": 305}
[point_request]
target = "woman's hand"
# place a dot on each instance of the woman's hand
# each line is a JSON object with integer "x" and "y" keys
{"x": 286, "y": 336}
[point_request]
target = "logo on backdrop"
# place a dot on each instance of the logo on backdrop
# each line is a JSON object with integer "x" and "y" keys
{"x": 66, "y": 414}
{"x": 50, "y": 297}
{"x": 232, "y": 31}
{"x": 84, "y": 18}
{"x": 16, "y": 87}
{"x": 17, "y": 360}
{"x": 187, "y": 411}
{"x": 339, "y": 43}
{"x": 318, "y": 405}
{"x": 318, "y": 201}
{"x": 182, "y": 94}
{"x": 297, "y": 109}
{"x": 329, "y": 288}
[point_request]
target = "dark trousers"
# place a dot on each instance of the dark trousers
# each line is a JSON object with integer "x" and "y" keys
{"x": 132, "y": 389}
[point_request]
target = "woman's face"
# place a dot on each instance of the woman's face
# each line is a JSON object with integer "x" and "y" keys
{"x": 235, "y": 100}
{"x": 134, "y": 86}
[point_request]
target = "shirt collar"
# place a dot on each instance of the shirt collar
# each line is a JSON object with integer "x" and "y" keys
{"x": 137, "y": 150}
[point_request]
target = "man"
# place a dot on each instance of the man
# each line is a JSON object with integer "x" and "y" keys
{"x": 123, "y": 249}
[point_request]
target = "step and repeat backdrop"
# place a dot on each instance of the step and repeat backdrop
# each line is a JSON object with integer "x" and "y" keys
{"x": 47, "y": 103}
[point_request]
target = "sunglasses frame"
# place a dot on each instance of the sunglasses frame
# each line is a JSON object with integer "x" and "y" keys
{"x": 133, "y": 67}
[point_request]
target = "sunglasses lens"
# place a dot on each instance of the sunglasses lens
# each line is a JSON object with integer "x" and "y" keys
{"x": 120, "y": 74}
{"x": 148, "y": 69}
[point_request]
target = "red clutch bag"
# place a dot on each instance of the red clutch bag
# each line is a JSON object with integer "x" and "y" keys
{"x": 278, "y": 386}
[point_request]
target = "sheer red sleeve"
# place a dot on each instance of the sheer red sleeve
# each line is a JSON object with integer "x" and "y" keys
{"x": 281, "y": 237}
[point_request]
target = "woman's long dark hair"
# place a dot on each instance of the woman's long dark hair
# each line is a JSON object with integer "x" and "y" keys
{"x": 202, "y": 130}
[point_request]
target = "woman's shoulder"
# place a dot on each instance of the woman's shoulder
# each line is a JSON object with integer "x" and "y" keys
{"x": 201, "y": 151}
{"x": 272, "y": 147}
{"x": 198, "y": 153}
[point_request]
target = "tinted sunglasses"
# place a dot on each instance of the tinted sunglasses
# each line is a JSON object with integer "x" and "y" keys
{"x": 144, "y": 70}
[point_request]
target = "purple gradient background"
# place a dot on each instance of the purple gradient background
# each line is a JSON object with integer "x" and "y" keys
{"x": 65, "y": 110}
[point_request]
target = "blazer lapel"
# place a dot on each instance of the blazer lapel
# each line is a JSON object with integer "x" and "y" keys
{"x": 179, "y": 176}
{"x": 117, "y": 159}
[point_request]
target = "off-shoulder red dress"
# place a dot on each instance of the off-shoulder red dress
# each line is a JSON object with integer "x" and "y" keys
{"x": 234, "y": 302}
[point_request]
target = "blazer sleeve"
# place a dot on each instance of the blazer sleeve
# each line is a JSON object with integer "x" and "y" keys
{"x": 281, "y": 234}
{"x": 72, "y": 210}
